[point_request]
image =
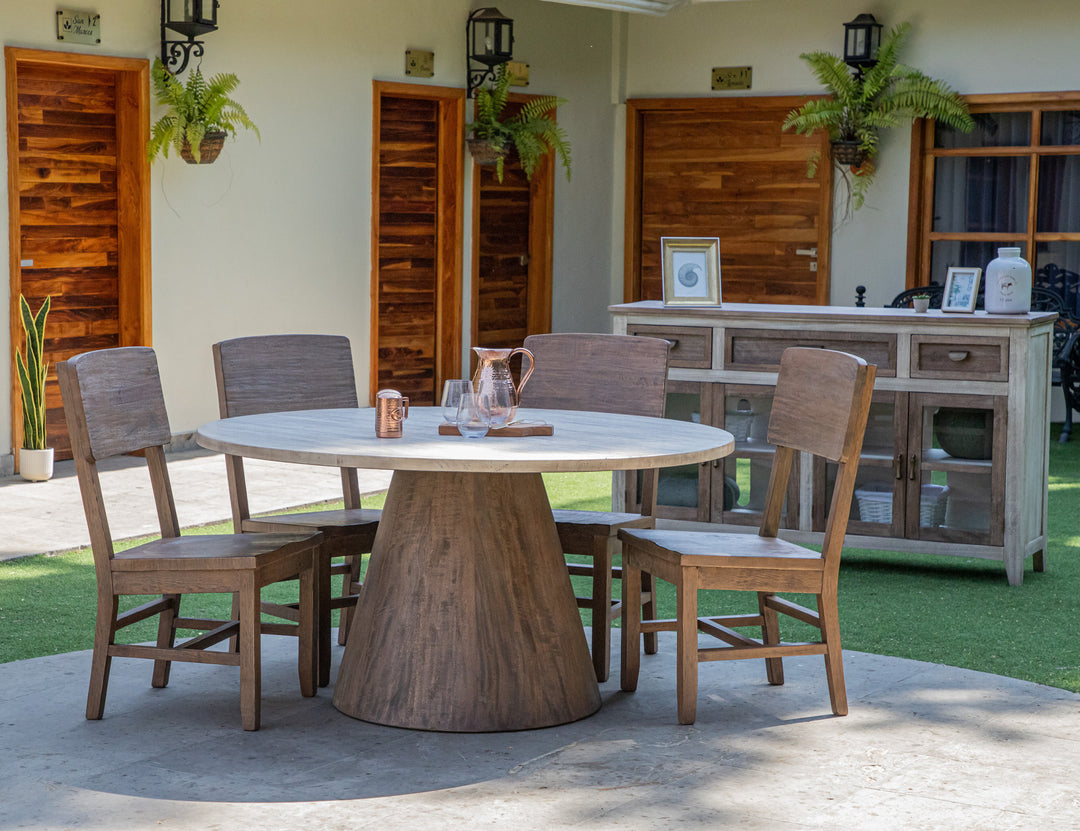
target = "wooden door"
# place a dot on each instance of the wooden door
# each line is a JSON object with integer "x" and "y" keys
{"x": 725, "y": 168}
{"x": 78, "y": 191}
{"x": 512, "y": 239}
{"x": 416, "y": 233}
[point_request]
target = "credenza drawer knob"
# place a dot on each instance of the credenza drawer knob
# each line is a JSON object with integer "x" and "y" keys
{"x": 958, "y": 356}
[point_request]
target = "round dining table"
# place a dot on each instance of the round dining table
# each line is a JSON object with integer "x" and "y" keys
{"x": 467, "y": 619}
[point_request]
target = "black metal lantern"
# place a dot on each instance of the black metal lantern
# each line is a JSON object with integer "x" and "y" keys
{"x": 862, "y": 37}
{"x": 489, "y": 40}
{"x": 190, "y": 18}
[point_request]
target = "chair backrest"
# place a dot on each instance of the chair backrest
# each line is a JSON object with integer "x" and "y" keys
{"x": 604, "y": 373}
{"x": 114, "y": 404}
{"x": 119, "y": 405}
{"x": 820, "y": 406}
{"x": 275, "y": 373}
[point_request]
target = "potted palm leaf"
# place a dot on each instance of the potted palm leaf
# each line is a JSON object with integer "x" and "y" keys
{"x": 35, "y": 458}
{"x": 200, "y": 114}
{"x": 533, "y": 131}
{"x": 860, "y": 105}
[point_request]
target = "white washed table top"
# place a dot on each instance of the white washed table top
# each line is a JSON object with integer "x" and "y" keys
{"x": 582, "y": 441}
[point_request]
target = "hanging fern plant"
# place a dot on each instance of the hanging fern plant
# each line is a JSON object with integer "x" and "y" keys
{"x": 859, "y": 106}
{"x": 196, "y": 110}
{"x": 532, "y": 131}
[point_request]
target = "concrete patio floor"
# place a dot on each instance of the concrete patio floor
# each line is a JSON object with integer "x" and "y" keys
{"x": 924, "y": 747}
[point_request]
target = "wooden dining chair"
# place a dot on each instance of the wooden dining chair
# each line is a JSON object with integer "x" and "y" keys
{"x": 277, "y": 373}
{"x": 608, "y": 374}
{"x": 114, "y": 405}
{"x": 820, "y": 407}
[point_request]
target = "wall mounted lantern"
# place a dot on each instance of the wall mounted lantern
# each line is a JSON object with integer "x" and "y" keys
{"x": 489, "y": 40}
{"x": 190, "y": 18}
{"x": 862, "y": 37}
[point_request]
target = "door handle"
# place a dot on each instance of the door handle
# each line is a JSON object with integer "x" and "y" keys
{"x": 914, "y": 468}
{"x": 898, "y": 466}
{"x": 806, "y": 252}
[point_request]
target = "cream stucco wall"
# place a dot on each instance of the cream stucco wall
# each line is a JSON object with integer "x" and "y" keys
{"x": 977, "y": 46}
{"x": 275, "y": 236}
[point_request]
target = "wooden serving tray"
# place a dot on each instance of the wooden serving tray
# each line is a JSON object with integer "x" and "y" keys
{"x": 525, "y": 428}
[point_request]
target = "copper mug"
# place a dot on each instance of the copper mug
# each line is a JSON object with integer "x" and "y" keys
{"x": 391, "y": 409}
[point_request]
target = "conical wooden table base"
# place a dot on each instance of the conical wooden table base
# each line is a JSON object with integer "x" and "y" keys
{"x": 467, "y": 620}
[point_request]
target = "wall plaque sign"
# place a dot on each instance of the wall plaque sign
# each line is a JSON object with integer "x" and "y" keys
{"x": 78, "y": 27}
{"x": 731, "y": 77}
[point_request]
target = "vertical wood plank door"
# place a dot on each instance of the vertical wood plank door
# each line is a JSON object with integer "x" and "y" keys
{"x": 724, "y": 168}
{"x": 80, "y": 218}
{"x": 417, "y": 230}
{"x": 512, "y": 250}
{"x": 501, "y": 306}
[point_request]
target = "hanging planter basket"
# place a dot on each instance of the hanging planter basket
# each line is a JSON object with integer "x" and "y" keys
{"x": 484, "y": 153}
{"x": 209, "y": 148}
{"x": 848, "y": 153}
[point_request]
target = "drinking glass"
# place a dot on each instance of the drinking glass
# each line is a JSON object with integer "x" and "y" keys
{"x": 473, "y": 417}
{"x": 451, "y": 398}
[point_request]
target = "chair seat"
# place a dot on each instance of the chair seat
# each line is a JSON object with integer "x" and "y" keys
{"x": 717, "y": 550}
{"x": 332, "y": 523}
{"x": 204, "y": 552}
{"x": 597, "y": 521}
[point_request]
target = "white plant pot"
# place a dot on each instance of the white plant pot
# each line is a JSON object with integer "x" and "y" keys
{"x": 36, "y": 465}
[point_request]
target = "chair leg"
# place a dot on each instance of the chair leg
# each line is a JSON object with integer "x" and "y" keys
{"x": 104, "y": 632}
{"x": 250, "y": 654}
{"x": 166, "y": 637}
{"x": 631, "y": 624}
{"x": 322, "y": 614}
{"x": 309, "y": 633}
{"x": 234, "y": 642}
{"x": 770, "y": 634}
{"x": 834, "y": 658}
{"x": 687, "y": 650}
{"x": 601, "y": 606}
{"x": 648, "y": 610}
{"x": 353, "y": 562}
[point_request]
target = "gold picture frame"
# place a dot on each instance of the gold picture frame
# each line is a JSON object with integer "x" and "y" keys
{"x": 961, "y": 290}
{"x": 691, "y": 270}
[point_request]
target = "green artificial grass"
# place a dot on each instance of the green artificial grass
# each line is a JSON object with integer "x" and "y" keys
{"x": 947, "y": 610}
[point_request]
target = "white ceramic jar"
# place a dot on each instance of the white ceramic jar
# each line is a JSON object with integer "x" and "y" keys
{"x": 1008, "y": 284}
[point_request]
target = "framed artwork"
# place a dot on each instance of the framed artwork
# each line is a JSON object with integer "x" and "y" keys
{"x": 691, "y": 267}
{"x": 961, "y": 290}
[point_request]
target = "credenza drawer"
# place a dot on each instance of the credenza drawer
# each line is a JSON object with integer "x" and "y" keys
{"x": 759, "y": 350}
{"x": 691, "y": 346}
{"x": 968, "y": 358}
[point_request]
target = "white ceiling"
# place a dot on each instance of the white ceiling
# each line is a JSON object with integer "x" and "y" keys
{"x": 653, "y": 7}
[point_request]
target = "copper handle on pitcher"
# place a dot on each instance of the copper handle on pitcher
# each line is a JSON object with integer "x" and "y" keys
{"x": 525, "y": 353}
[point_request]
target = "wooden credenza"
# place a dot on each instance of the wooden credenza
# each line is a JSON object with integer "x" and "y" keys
{"x": 956, "y": 450}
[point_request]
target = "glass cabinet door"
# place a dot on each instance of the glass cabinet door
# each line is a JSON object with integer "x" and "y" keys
{"x": 682, "y": 492}
{"x": 955, "y": 468}
{"x": 877, "y": 506}
{"x": 740, "y": 481}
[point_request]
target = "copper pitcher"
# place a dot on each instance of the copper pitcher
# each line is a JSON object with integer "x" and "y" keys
{"x": 495, "y": 385}
{"x": 391, "y": 409}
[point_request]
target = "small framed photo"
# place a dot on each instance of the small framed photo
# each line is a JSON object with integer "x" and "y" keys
{"x": 691, "y": 268}
{"x": 961, "y": 290}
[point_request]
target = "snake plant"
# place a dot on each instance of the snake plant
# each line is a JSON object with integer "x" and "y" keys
{"x": 32, "y": 372}
{"x": 532, "y": 131}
